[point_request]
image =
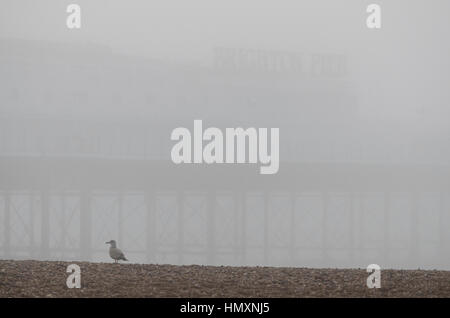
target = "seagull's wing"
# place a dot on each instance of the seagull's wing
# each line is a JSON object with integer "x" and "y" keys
{"x": 120, "y": 255}
{"x": 116, "y": 253}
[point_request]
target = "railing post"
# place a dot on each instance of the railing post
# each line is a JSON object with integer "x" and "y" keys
{"x": 352, "y": 229}
{"x": 7, "y": 226}
{"x": 243, "y": 203}
{"x": 386, "y": 228}
{"x": 236, "y": 226}
{"x": 85, "y": 226}
{"x": 180, "y": 227}
{"x": 151, "y": 226}
{"x": 266, "y": 228}
{"x": 32, "y": 211}
{"x": 63, "y": 223}
{"x": 361, "y": 241}
{"x": 45, "y": 225}
{"x": 414, "y": 243}
{"x": 211, "y": 227}
{"x": 292, "y": 236}
{"x": 442, "y": 228}
{"x": 325, "y": 199}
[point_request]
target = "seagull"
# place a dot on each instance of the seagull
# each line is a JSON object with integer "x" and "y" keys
{"x": 115, "y": 253}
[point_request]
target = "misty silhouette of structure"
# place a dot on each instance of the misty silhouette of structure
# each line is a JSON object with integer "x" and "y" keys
{"x": 75, "y": 159}
{"x": 115, "y": 253}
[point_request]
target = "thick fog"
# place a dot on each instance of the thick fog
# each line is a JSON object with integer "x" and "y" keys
{"x": 86, "y": 117}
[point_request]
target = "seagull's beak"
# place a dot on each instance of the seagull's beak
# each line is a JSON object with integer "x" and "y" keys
{"x": 107, "y": 242}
